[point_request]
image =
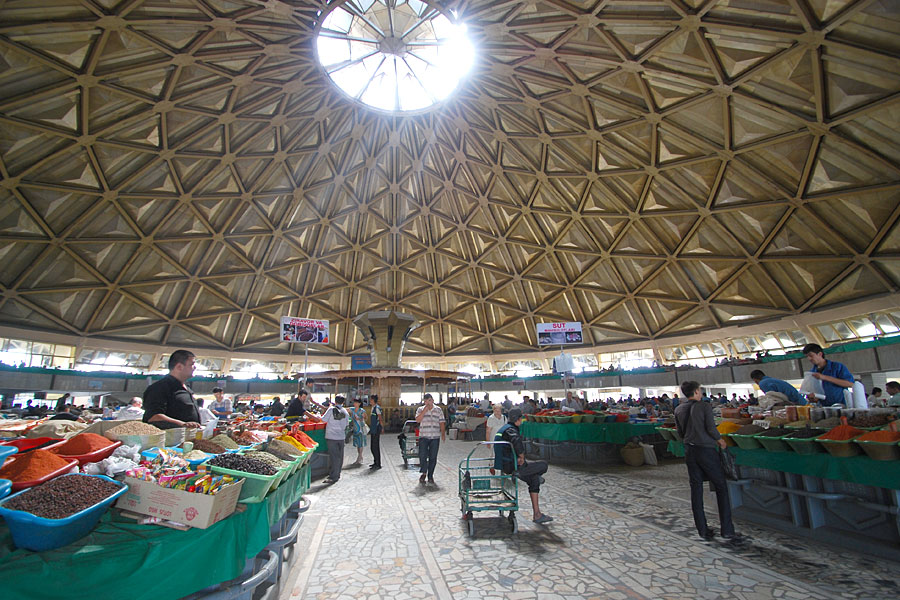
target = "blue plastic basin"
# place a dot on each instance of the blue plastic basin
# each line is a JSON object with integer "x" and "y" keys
{"x": 6, "y": 452}
{"x": 39, "y": 534}
{"x": 5, "y": 486}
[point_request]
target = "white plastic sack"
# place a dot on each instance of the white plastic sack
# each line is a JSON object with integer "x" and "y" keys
{"x": 811, "y": 385}
{"x": 857, "y": 396}
{"x": 649, "y": 455}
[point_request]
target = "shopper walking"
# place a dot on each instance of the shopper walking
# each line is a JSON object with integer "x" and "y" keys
{"x": 358, "y": 420}
{"x": 431, "y": 432}
{"x": 336, "y": 419}
{"x": 375, "y": 429}
{"x": 697, "y": 426}
{"x": 494, "y": 423}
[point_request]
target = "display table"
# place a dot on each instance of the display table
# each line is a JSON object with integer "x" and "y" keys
{"x": 595, "y": 433}
{"x": 854, "y": 469}
{"x": 849, "y": 502}
{"x": 121, "y": 559}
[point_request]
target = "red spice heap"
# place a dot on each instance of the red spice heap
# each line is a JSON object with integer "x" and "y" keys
{"x": 83, "y": 443}
{"x": 881, "y": 436}
{"x": 841, "y": 433}
{"x": 32, "y": 466}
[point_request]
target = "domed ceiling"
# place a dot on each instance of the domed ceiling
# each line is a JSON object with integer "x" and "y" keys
{"x": 185, "y": 172}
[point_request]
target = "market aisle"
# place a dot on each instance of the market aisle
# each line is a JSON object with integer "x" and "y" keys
{"x": 382, "y": 535}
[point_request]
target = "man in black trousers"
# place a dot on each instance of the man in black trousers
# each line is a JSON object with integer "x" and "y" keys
{"x": 375, "y": 429}
{"x": 697, "y": 426}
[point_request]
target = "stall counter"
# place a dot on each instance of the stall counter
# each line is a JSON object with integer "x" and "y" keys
{"x": 121, "y": 559}
{"x": 614, "y": 433}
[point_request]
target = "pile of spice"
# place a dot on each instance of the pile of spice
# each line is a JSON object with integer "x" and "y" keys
{"x": 775, "y": 432}
{"x": 268, "y": 458}
{"x": 841, "y": 433}
{"x": 827, "y": 423}
{"x": 208, "y": 446}
{"x": 283, "y": 450}
{"x": 83, "y": 443}
{"x": 800, "y": 423}
{"x": 727, "y": 427}
{"x": 238, "y": 462}
{"x": 196, "y": 455}
{"x": 64, "y": 496}
{"x": 244, "y": 438}
{"x": 806, "y": 433}
{"x": 134, "y": 428}
{"x": 869, "y": 420}
{"x": 225, "y": 441}
{"x": 749, "y": 430}
{"x": 890, "y": 437}
{"x": 32, "y": 466}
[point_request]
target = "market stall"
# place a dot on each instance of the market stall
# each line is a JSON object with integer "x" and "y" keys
{"x": 121, "y": 559}
{"x": 588, "y": 443}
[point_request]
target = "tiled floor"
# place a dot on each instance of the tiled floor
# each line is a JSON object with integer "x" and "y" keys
{"x": 619, "y": 533}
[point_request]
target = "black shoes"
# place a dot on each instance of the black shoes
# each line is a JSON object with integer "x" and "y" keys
{"x": 431, "y": 480}
{"x": 375, "y": 467}
{"x": 422, "y": 478}
{"x": 737, "y": 540}
{"x": 709, "y": 535}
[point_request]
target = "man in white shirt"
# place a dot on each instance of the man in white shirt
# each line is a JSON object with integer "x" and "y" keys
{"x": 875, "y": 400}
{"x": 431, "y": 433}
{"x": 573, "y": 402}
{"x": 132, "y": 412}
{"x": 494, "y": 423}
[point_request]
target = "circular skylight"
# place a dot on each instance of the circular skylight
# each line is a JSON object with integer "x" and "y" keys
{"x": 393, "y": 55}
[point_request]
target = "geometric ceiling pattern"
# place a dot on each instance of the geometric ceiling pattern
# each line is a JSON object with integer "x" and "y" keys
{"x": 184, "y": 172}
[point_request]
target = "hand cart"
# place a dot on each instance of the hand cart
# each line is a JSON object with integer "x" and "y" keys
{"x": 480, "y": 489}
{"x": 409, "y": 442}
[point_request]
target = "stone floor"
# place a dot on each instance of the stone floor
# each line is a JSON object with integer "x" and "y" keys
{"x": 619, "y": 533}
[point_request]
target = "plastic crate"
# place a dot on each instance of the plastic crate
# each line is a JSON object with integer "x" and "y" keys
{"x": 95, "y": 456}
{"x": 39, "y": 534}
{"x": 842, "y": 448}
{"x": 773, "y": 443}
{"x": 255, "y": 486}
{"x": 881, "y": 450}
{"x": 747, "y": 442}
{"x": 804, "y": 445}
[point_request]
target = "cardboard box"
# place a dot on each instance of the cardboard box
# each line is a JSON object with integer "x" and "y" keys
{"x": 196, "y": 510}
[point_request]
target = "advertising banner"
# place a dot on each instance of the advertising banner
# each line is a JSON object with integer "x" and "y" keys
{"x": 304, "y": 331}
{"x": 559, "y": 334}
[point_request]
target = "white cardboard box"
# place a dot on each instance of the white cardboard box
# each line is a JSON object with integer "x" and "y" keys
{"x": 196, "y": 510}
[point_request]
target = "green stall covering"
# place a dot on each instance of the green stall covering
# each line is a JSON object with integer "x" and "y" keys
{"x": 614, "y": 433}
{"x": 676, "y": 448}
{"x": 855, "y": 469}
{"x": 318, "y": 436}
{"x": 121, "y": 559}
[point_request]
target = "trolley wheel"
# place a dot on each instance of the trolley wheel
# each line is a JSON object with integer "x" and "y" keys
{"x": 470, "y": 523}
{"x": 514, "y": 525}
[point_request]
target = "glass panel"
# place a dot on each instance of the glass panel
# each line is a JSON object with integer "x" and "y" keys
{"x": 843, "y": 331}
{"x": 886, "y": 324}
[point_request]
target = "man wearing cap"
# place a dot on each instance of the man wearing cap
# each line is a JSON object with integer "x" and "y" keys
{"x": 431, "y": 432}
{"x": 530, "y": 473}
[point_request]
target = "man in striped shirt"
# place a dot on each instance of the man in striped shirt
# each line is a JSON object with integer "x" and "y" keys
{"x": 431, "y": 432}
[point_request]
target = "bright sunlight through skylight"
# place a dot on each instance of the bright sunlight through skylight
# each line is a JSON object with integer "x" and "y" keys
{"x": 394, "y": 55}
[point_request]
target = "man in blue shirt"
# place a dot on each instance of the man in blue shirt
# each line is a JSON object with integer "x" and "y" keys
{"x": 834, "y": 376}
{"x": 770, "y": 384}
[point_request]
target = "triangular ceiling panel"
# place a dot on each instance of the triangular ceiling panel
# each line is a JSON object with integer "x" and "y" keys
{"x": 186, "y": 172}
